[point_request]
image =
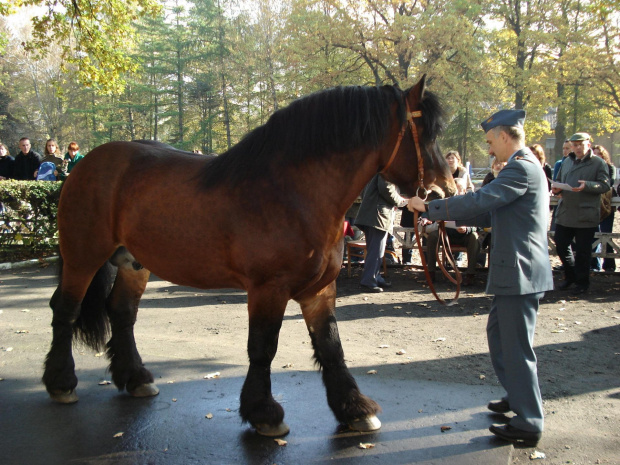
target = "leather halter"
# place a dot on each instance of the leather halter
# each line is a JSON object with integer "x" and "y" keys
{"x": 416, "y": 140}
{"x": 443, "y": 242}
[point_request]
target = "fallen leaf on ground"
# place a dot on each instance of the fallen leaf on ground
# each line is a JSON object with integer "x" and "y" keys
{"x": 371, "y": 372}
{"x": 397, "y": 306}
{"x": 209, "y": 415}
{"x": 445, "y": 428}
{"x": 401, "y": 352}
{"x": 118, "y": 435}
{"x": 482, "y": 377}
{"x": 212, "y": 375}
{"x": 174, "y": 400}
{"x": 105, "y": 382}
{"x": 288, "y": 365}
{"x": 439, "y": 339}
{"x": 366, "y": 445}
{"x": 384, "y": 346}
{"x": 22, "y": 331}
{"x": 280, "y": 442}
{"x": 537, "y": 455}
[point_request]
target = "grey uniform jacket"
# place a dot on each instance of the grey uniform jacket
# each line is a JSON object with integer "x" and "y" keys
{"x": 582, "y": 209}
{"x": 378, "y": 201}
{"x": 516, "y": 206}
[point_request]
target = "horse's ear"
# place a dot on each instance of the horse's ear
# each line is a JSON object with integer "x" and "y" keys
{"x": 417, "y": 91}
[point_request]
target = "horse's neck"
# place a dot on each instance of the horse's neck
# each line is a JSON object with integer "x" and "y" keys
{"x": 341, "y": 183}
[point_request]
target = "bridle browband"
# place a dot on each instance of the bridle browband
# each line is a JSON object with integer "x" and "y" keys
{"x": 443, "y": 241}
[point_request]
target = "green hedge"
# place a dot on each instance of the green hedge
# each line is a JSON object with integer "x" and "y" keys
{"x": 28, "y": 227}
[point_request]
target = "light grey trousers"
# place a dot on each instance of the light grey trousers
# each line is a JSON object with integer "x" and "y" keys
{"x": 510, "y": 334}
{"x": 375, "y": 249}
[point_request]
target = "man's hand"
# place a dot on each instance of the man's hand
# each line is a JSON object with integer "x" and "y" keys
{"x": 416, "y": 203}
{"x": 580, "y": 187}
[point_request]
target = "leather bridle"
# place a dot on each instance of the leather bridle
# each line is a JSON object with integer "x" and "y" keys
{"x": 443, "y": 243}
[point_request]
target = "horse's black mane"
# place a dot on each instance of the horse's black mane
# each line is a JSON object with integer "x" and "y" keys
{"x": 335, "y": 120}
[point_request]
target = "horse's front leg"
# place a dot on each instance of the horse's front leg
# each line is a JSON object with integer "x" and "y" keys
{"x": 257, "y": 406}
{"x": 126, "y": 365}
{"x": 349, "y": 405}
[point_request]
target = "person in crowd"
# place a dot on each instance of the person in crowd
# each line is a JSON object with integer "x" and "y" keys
{"x": 539, "y": 153}
{"x": 608, "y": 265}
{"x": 51, "y": 154}
{"x": 376, "y": 218}
{"x": 579, "y": 210}
{"x": 496, "y": 167}
{"x": 72, "y": 157}
{"x": 458, "y": 170}
{"x": 457, "y": 235}
{"x": 516, "y": 206}
{"x": 27, "y": 161}
{"x": 566, "y": 149}
{"x": 7, "y": 163}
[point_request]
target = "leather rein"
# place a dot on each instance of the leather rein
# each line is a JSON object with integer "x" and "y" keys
{"x": 443, "y": 244}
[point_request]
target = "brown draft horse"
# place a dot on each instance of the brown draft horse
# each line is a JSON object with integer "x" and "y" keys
{"x": 142, "y": 207}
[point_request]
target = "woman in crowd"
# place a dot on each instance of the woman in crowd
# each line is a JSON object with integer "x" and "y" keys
{"x": 496, "y": 167}
{"x": 458, "y": 170}
{"x": 52, "y": 155}
{"x": 6, "y": 163}
{"x": 539, "y": 153}
{"x": 607, "y": 225}
{"x": 72, "y": 156}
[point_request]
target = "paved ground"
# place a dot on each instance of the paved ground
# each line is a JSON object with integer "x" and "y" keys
{"x": 183, "y": 345}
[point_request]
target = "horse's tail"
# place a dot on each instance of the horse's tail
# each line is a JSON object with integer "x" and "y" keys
{"x": 92, "y": 326}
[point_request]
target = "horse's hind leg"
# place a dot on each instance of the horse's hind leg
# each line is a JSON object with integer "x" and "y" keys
{"x": 349, "y": 405}
{"x": 122, "y": 305}
{"x": 59, "y": 375}
{"x": 257, "y": 406}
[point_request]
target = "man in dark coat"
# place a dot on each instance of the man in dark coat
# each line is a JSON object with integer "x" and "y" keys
{"x": 26, "y": 162}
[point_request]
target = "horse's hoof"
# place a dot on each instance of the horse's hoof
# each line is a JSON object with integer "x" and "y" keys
{"x": 272, "y": 431}
{"x": 145, "y": 390}
{"x": 369, "y": 423}
{"x": 64, "y": 397}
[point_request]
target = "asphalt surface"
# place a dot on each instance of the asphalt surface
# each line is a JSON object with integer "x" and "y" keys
{"x": 108, "y": 427}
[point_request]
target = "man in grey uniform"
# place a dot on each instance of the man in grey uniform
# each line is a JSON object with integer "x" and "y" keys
{"x": 516, "y": 206}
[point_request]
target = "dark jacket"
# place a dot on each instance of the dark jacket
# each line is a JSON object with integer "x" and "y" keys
{"x": 26, "y": 165}
{"x": 7, "y": 165}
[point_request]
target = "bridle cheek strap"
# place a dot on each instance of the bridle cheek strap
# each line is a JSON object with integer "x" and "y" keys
{"x": 416, "y": 141}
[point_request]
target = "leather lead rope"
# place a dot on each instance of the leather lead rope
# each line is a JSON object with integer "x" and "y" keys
{"x": 443, "y": 244}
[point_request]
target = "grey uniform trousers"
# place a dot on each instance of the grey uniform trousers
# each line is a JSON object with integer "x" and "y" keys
{"x": 510, "y": 334}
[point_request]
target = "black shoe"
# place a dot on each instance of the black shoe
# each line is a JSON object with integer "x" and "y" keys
{"x": 384, "y": 284}
{"x": 501, "y": 406}
{"x": 579, "y": 290}
{"x": 565, "y": 285}
{"x": 376, "y": 289}
{"x": 512, "y": 434}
